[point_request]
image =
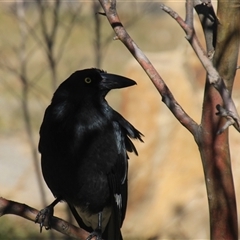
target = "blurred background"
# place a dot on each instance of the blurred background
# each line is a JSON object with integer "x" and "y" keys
{"x": 41, "y": 44}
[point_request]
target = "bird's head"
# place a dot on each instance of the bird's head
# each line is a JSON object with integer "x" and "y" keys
{"x": 91, "y": 82}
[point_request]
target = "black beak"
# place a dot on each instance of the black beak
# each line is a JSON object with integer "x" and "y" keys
{"x": 112, "y": 81}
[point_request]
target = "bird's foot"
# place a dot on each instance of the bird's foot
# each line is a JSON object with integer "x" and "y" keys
{"x": 97, "y": 233}
{"x": 44, "y": 217}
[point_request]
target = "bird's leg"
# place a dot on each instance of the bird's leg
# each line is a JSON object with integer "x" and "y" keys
{"x": 45, "y": 215}
{"x": 98, "y": 231}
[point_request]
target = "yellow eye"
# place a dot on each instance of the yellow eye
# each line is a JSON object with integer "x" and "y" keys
{"x": 88, "y": 80}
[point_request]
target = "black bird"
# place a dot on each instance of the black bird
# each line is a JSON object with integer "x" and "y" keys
{"x": 83, "y": 145}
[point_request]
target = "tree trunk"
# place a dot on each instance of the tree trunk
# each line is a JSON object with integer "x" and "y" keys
{"x": 214, "y": 148}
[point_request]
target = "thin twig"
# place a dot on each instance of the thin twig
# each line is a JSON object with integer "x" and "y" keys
{"x": 189, "y": 13}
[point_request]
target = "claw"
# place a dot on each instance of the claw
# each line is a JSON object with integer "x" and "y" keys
{"x": 46, "y": 214}
{"x": 44, "y": 218}
{"x": 96, "y": 233}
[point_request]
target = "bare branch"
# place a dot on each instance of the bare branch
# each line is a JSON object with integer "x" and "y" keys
{"x": 109, "y": 8}
{"x": 67, "y": 33}
{"x": 50, "y": 35}
{"x": 213, "y": 75}
{"x": 189, "y": 13}
{"x": 29, "y": 213}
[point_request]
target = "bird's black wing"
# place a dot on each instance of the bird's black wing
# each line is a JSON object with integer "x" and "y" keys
{"x": 129, "y": 131}
{"x": 117, "y": 179}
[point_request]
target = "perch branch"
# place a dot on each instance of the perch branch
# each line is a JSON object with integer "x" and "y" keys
{"x": 22, "y": 210}
{"x": 109, "y": 7}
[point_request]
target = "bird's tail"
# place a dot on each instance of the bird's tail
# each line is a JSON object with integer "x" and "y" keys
{"x": 112, "y": 230}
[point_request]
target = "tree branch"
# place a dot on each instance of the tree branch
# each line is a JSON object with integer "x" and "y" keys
{"x": 29, "y": 213}
{"x": 213, "y": 76}
{"x": 109, "y": 8}
{"x": 189, "y": 13}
